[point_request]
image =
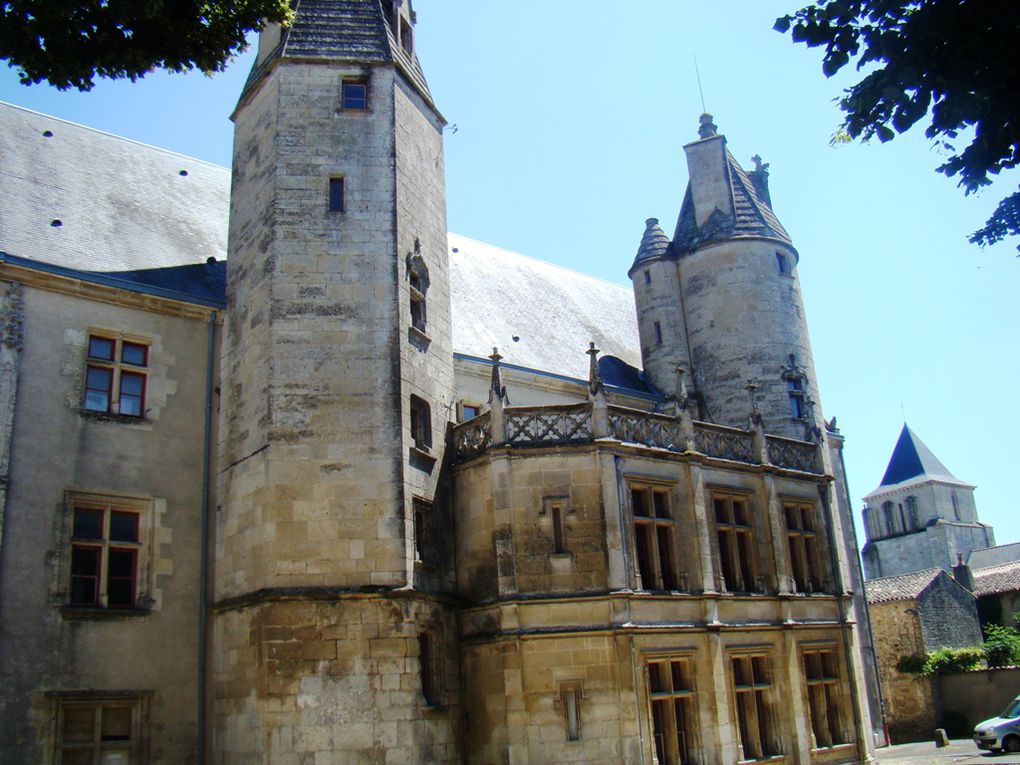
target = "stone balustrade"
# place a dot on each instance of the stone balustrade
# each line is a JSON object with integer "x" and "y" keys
{"x": 524, "y": 426}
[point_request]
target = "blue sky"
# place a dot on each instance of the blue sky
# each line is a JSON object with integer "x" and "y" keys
{"x": 570, "y": 123}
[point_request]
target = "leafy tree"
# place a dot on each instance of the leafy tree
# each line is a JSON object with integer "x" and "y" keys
{"x": 70, "y": 42}
{"x": 1002, "y": 645}
{"x": 956, "y": 62}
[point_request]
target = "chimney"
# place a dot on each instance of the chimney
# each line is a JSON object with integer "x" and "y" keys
{"x": 962, "y": 573}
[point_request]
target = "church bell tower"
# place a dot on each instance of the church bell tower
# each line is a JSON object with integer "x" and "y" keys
{"x": 329, "y": 632}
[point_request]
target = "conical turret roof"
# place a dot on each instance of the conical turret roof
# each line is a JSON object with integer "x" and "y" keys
{"x": 654, "y": 242}
{"x": 753, "y": 216}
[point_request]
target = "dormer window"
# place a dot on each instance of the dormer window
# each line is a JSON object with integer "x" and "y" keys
{"x": 406, "y": 37}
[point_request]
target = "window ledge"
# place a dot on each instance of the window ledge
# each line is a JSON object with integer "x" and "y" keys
{"x": 91, "y": 414}
{"x": 89, "y": 614}
{"x": 418, "y": 336}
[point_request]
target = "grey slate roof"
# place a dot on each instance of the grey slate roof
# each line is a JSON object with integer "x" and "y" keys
{"x": 554, "y": 312}
{"x": 986, "y": 557}
{"x": 654, "y": 242}
{"x": 902, "y": 587}
{"x": 996, "y": 579}
{"x": 341, "y": 30}
{"x": 753, "y": 216}
{"x": 127, "y": 212}
{"x": 912, "y": 459}
{"x": 122, "y": 205}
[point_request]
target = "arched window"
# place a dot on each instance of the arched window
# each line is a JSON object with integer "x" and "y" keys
{"x": 889, "y": 518}
{"x": 913, "y": 519}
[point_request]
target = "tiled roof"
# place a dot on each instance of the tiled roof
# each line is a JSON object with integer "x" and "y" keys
{"x": 902, "y": 587}
{"x": 986, "y": 557}
{"x": 911, "y": 458}
{"x": 341, "y": 30}
{"x": 996, "y": 579}
{"x": 654, "y": 242}
{"x": 753, "y": 216}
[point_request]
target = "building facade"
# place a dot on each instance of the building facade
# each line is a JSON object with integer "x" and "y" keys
{"x": 301, "y": 509}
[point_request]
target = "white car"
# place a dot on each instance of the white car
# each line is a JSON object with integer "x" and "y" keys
{"x": 1002, "y": 732}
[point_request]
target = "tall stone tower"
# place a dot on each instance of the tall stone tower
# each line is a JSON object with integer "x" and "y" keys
{"x": 329, "y": 635}
{"x": 722, "y": 299}
{"x": 920, "y": 516}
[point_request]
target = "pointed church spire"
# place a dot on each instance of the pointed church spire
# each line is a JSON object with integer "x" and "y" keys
{"x": 912, "y": 459}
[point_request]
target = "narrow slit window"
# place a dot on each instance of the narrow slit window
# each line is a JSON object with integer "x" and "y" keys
{"x": 421, "y": 423}
{"x": 336, "y": 195}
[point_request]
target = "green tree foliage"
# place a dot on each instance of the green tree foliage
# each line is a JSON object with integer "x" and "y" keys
{"x": 1002, "y": 646}
{"x": 953, "y": 62}
{"x": 70, "y": 42}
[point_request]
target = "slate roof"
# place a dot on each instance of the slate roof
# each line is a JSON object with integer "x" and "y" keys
{"x": 913, "y": 461}
{"x": 553, "y": 312}
{"x": 122, "y": 205}
{"x": 654, "y": 242}
{"x": 753, "y": 215}
{"x": 341, "y": 30}
{"x": 902, "y": 587}
{"x": 986, "y": 557}
{"x": 996, "y": 579}
{"x": 126, "y": 212}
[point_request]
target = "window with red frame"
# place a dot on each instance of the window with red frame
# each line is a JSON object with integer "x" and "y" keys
{"x": 115, "y": 376}
{"x": 105, "y": 543}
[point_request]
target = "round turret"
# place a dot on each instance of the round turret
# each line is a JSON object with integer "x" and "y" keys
{"x": 742, "y": 302}
{"x": 659, "y": 310}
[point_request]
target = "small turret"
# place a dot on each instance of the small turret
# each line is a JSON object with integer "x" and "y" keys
{"x": 661, "y": 326}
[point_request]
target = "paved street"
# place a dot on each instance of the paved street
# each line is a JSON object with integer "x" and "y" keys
{"x": 959, "y": 752}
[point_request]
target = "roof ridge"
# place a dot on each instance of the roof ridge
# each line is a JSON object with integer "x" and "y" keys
{"x": 107, "y": 134}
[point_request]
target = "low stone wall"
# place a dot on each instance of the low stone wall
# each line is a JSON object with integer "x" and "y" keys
{"x": 967, "y": 698}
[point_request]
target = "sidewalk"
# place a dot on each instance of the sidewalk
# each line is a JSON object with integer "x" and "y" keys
{"x": 961, "y": 751}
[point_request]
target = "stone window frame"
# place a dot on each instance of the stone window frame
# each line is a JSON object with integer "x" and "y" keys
{"x": 754, "y": 703}
{"x": 118, "y": 369}
{"x": 144, "y": 600}
{"x": 420, "y": 413}
{"x": 673, "y": 746}
{"x": 428, "y": 668}
{"x": 661, "y": 529}
{"x": 805, "y": 545}
{"x": 422, "y": 514}
{"x": 463, "y": 406}
{"x": 746, "y": 567}
{"x": 569, "y": 694}
{"x": 336, "y": 194}
{"x": 65, "y": 703}
{"x": 418, "y": 283}
{"x": 554, "y": 513}
{"x": 351, "y": 82}
{"x": 832, "y": 688}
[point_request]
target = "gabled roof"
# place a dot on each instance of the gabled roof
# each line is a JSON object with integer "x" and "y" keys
{"x": 912, "y": 459}
{"x": 753, "y": 216}
{"x": 996, "y": 579}
{"x": 902, "y": 587}
{"x": 341, "y": 30}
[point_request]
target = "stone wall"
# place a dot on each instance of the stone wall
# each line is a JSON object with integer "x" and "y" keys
{"x": 949, "y": 617}
{"x": 50, "y": 651}
{"x": 967, "y": 698}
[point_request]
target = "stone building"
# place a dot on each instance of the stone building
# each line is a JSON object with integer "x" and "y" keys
{"x": 920, "y": 516}
{"x": 354, "y": 499}
{"x": 912, "y": 614}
